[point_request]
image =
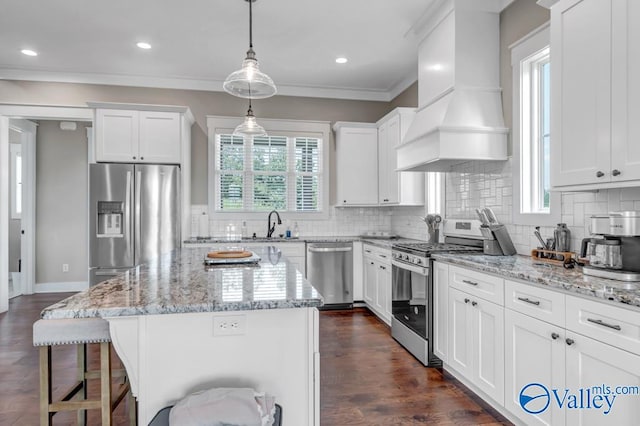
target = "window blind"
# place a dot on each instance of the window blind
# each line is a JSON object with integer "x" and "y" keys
{"x": 265, "y": 173}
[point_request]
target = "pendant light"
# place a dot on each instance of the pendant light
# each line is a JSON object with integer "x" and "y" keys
{"x": 249, "y": 81}
{"x": 249, "y": 127}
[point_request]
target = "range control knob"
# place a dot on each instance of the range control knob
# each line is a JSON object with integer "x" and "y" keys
{"x": 406, "y": 257}
{"x": 419, "y": 261}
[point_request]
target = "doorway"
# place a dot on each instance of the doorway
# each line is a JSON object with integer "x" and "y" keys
{"x": 12, "y": 124}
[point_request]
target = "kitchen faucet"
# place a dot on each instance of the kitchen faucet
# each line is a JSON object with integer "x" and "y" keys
{"x": 271, "y": 228}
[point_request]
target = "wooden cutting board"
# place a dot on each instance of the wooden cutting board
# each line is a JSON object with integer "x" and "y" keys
{"x": 229, "y": 254}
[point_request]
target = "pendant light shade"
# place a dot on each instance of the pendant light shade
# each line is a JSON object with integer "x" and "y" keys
{"x": 249, "y": 82}
{"x": 249, "y": 127}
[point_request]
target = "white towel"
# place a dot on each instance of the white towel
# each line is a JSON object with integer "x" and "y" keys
{"x": 224, "y": 407}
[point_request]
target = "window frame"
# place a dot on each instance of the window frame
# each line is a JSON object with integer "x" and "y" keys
{"x": 275, "y": 127}
{"x": 15, "y": 150}
{"x": 526, "y": 130}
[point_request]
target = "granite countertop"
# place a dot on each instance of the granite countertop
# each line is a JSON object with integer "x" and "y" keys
{"x": 179, "y": 282}
{"x": 546, "y": 274}
{"x": 377, "y": 241}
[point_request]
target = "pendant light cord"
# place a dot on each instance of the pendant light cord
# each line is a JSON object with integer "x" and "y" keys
{"x": 250, "y": 25}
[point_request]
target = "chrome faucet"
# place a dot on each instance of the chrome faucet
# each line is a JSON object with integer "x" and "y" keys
{"x": 270, "y": 227}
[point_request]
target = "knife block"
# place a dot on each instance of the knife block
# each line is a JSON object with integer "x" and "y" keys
{"x": 500, "y": 244}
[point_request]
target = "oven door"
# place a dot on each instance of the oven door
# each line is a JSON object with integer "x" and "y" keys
{"x": 409, "y": 296}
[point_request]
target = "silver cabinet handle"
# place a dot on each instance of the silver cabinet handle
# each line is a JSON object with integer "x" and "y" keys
{"x": 383, "y": 267}
{"x": 469, "y": 282}
{"x": 329, "y": 249}
{"x": 367, "y": 251}
{"x": 383, "y": 256}
{"x": 474, "y": 303}
{"x": 616, "y": 172}
{"x": 527, "y": 300}
{"x": 604, "y": 324}
{"x": 599, "y": 174}
{"x": 466, "y": 300}
{"x": 555, "y": 336}
{"x": 570, "y": 341}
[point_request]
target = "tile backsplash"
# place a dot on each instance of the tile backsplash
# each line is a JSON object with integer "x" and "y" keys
{"x": 468, "y": 186}
{"x": 474, "y": 185}
{"x": 341, "y": 221}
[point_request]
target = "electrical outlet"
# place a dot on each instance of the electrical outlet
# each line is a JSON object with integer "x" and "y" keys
{"x": 65, "y": 267}
{"x": 229, "y": 325}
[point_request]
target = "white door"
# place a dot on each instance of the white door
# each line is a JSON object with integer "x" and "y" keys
{"x": 384, "y": 290}
{"x": 460, "y": 326}
{"x": 117, "y": 135}
{"x": 160, "y": 137}
{"x": 488, "y": 345}
{"x": 581, "y": 96}
{"x": 21, "y": 132}
{"x": 534, "y": 354}
{"x": 370, "y": 279}
{"x": 592, "y": 365}
{"x": 625, "y": 94}
{"x": 440, "y": 305}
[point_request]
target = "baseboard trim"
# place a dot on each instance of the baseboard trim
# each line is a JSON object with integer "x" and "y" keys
{"x": 61, "y": 287}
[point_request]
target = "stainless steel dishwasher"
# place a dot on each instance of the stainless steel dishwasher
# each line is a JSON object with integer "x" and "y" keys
{"x": 330, "y": 271}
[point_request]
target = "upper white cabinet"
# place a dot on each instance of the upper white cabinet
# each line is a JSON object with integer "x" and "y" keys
{"x": 137, "y": 136}
{"x": 397, "y": 188}
{"x": 356, "y": 164}
{"x": 595, "y": 54}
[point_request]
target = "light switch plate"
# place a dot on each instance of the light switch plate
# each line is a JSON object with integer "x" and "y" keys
{"x": 229, "y": 325}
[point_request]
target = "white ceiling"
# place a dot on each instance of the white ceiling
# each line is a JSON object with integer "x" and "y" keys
{"x": 197, "y": 43}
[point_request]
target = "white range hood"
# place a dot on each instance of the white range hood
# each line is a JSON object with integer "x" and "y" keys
{"x": 459, "y": 117}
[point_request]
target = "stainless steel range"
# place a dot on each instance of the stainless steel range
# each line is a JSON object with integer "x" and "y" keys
{"x": 412, "y": 286}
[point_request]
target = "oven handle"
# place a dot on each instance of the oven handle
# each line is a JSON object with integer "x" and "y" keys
{"x": 422, "y": 270}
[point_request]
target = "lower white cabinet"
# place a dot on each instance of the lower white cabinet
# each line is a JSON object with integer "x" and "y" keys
{"x": 592, "y": 363}
{"x": 377, "y": 281}
{"x": 440, "y": 309}
{"x": 534, "y": 353}
{"x": 476, "y": 342}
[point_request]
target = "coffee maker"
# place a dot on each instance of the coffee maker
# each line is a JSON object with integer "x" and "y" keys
{"x": 613, "y": 251}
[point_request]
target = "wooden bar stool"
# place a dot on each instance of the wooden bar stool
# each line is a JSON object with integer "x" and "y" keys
{"x": 80, "y": 332}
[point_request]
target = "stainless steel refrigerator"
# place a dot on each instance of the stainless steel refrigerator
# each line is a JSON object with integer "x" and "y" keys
{"x": 135, "y": 215}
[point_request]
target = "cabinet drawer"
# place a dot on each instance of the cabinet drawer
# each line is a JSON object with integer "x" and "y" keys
{"x": 609, "y": 324}
{"x": 478, "y": 284}
{"x": 377, "y": 253}
{"x": 540, "y": 303}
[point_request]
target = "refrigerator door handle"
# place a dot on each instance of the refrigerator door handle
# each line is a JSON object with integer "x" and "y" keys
{"x": 136, "y": 244}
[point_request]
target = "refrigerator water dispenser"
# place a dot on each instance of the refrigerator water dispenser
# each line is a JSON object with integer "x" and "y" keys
{"x": 110, "y": 218}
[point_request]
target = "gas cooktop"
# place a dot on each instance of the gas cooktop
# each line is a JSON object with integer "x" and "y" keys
{"x": 428, "y": 248}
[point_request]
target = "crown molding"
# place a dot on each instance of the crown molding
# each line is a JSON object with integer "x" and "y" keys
{"x": 192, "y": 84}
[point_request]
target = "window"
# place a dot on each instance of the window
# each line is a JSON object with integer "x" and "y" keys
{"x": 16, "y": 181}
{"x": 534, "y": 203}
{"x": 282, "y": 171}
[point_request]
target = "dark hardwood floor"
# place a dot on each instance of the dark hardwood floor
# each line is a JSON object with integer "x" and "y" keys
{"x": 366, "y": 377}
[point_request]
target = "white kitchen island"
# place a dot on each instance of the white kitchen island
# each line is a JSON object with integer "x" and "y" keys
{"x": 179, "y": 327}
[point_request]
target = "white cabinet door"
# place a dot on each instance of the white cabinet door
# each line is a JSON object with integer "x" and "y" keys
{"x": 370, "y": 280}
{"x": 534, "y": 353}
{"x": 581, "y": 95}
{"x": 357, "y": 166}
{"x": 460, "y": 324}
{"x": 159, "y": 137}
{"x": 591, "y": 363}
{"x": 488, "y": 348}
{"x": 384, "y": 291}
{"x": 116, "y": 135}
{"x": 625, "y": 95}
{"x": 440, "y": 309}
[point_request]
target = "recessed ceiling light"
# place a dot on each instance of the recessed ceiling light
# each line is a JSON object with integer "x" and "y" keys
{"x": 341, "y": 60}
{"x": 29, "y": 52}
{"x": 143, "y": 45}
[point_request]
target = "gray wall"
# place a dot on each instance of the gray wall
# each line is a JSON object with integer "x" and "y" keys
{"x": 408, "y": 98}
{"x": 516, "y": 21}
{"x": 14, "y": 224}
{"x": 61, "y": 203}
{"x": 202, "y": 104}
